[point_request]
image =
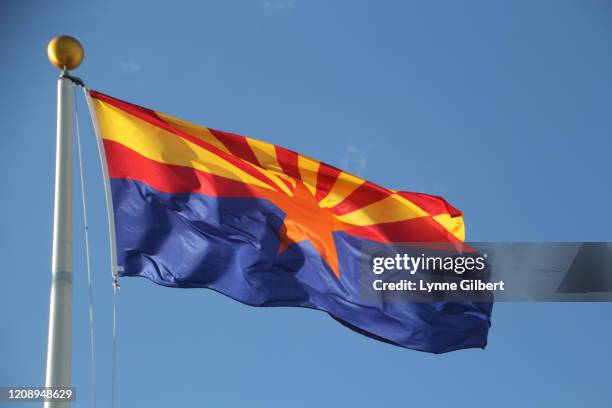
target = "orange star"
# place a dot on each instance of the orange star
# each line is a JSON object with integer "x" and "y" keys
{"x": 305, "y": 220}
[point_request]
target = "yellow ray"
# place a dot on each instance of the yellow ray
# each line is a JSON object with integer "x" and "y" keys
{"x": 194, "y": 130}
{"x": 160, "y": 145}
{"x": 342, "y": 188}
{"x": 266, "y": 156}
{"x": 390, "y": 209}
{"x": 309, "y": 169}
{"x": 454, "y": 225}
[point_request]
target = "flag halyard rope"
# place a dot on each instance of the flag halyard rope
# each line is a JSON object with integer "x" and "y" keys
{"x": 107, "y": 190}
{"x": 87, "y": 255}
{"x": 112, "y": 239}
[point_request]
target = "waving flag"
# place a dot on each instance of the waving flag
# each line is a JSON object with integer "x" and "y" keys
{"x": 198, "y": 207}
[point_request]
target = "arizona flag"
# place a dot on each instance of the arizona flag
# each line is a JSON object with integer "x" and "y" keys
{"x": 198, "y": 207}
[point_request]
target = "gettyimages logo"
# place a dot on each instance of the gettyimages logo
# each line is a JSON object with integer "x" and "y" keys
{"x": 412, "y": 264}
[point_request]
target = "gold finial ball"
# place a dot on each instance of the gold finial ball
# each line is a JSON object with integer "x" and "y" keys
{"x": 65, "y": 52}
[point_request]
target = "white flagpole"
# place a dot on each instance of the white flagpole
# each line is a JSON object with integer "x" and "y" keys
{"x": 65, "y": 53}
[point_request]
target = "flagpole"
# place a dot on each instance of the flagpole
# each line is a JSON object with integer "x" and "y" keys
{"x": 65, "y": 53}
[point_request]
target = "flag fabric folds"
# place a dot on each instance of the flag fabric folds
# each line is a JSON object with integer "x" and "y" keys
{"x": 195, "y": 207}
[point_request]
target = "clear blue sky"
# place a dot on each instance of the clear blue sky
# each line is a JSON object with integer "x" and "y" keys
{"x": 502, "y": 107}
